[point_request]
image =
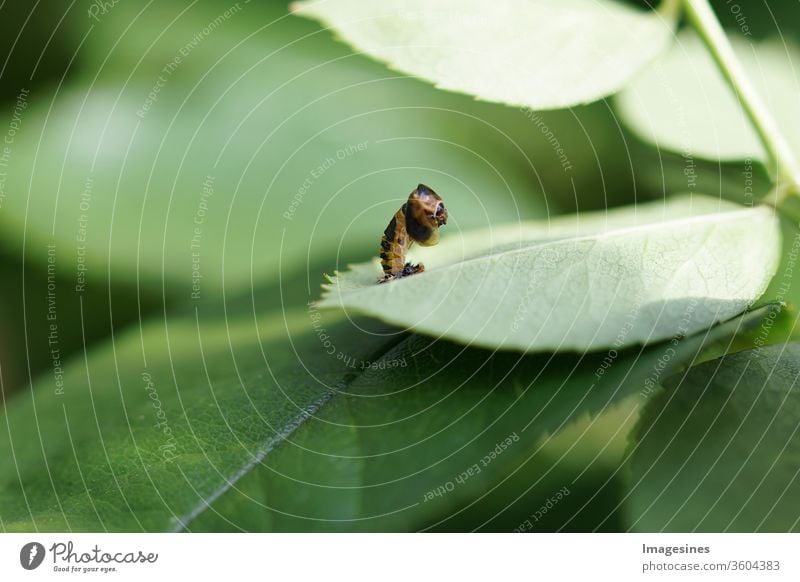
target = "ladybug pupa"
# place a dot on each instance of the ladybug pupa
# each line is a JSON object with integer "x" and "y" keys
{"x": 417, "y": 221}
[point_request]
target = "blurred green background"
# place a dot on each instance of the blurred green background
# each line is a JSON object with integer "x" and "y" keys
{"x": 162, "y": 141}
{"x": 268, "y": 98}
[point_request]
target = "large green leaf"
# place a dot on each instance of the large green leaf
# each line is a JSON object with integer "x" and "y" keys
{"x": 196, "y": 420}
{"x": 682, "y": 102}
{"x": 718, "y": 449}
{"x": 541, "y": 55}
{"x": 557, "y": 149}
{"x": 629, "y": 276}
{"x": 203, "y": 172}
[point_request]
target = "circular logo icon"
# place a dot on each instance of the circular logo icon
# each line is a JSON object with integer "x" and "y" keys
{"x": 31, "y": 555}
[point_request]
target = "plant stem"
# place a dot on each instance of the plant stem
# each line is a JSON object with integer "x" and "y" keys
{"x": 787, "y": 172}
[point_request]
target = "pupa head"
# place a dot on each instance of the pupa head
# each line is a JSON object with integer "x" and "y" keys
{"x": 425, "y": 213}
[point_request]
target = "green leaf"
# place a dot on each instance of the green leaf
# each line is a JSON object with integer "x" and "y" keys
{"x": 658, "y": 170}
{"x": 630, "y": 276}
{"x": 785, "y": 285}
{"x": 200, "y": 173}
{"x": 179, "y": 423}
{"x": 569, "y": 462}
{"x": 109, "y": 430}
{"x": 557, "y": 153}
{"x": 372, "y": 458}
{"x": 718, "y": 449}
{"x": 746, "y": 19}
{"x": 682, "y": 103}
{"x": 541, "y": 55}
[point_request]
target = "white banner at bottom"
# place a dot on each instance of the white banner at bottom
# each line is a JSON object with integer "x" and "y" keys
{"x": 355, "y": 557}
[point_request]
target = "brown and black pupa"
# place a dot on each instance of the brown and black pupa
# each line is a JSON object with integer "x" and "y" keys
{"x": 417, "y": 221}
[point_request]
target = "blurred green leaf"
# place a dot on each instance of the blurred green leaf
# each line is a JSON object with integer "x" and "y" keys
{"x": 718, "y": 449}
{"x": 39, "y": 328}
{"x": 191, "y": 173}
{"x": 744, "y": 182}
{"x": 374, "y": 458}
{"x": 785, "y": 286}
{"x": 175, "y": 424}
{"x": 541, "y": 55}
{"x": 197, "y": 391}
{"x": 753, "y": 18}
{"x": 683, "y": 104}
{"x": 581, "y": 461}
{"x": 557, "y": 149}
{"x": 630, "y": 276}
{"x": 35, "y": 48}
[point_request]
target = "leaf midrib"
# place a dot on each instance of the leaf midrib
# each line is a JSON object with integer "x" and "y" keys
{"x": 732, "y": 215}
{"x": 309, "y": 412}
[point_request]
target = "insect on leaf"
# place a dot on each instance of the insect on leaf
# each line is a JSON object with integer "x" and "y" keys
{"x": 630, "y": 276}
